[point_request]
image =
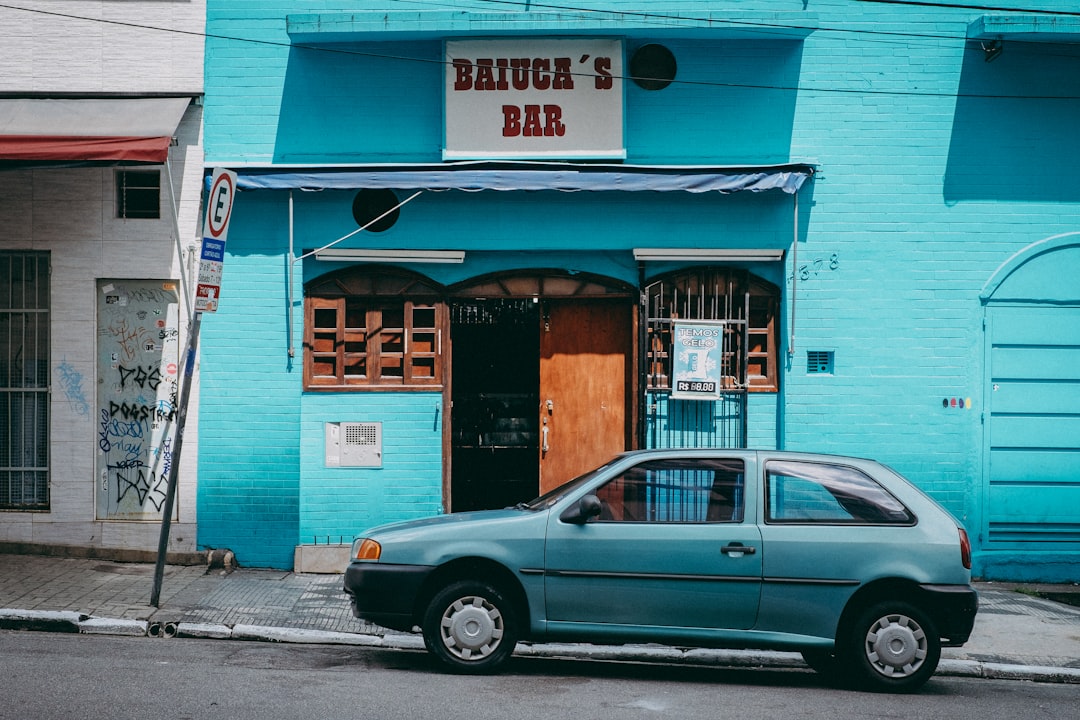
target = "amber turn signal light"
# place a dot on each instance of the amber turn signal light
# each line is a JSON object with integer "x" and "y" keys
{"x": 368, "y": 550}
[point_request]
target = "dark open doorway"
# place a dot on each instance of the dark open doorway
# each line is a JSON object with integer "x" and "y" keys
{"x": 495, "y": 393}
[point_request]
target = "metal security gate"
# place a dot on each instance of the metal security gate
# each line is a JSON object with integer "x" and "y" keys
{"x": 714, "y": 294}
{"x": 495, "y": 393}
{"x": 24, "y": 381}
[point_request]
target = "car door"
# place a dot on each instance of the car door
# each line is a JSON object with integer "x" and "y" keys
{"x": 671, "y": 548}
{"x": 829, "y": 527}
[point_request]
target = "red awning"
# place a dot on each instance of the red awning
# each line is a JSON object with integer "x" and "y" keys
{"x": 89, "y": 129}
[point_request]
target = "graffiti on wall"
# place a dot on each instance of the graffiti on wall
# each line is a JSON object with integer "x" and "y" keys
{"x": 71, "y": 384}
{"x": 138, "y": 373}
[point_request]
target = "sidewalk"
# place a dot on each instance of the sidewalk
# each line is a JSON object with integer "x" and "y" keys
{"x": 1017, "y": 636}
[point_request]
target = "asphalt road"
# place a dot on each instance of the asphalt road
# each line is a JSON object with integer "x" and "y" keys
{"x": 57, "y": 676}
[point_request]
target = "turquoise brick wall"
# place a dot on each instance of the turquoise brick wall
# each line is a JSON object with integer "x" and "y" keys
{"x": 915, "y": 210}
{"x": 249, "y": 413}
{"x": 337, "y": 503}
{"x": 935, "y": 168}
{"x": 551, "y": 221}
{"x": 761, "y": 413}
{"x": 360, "y": 103}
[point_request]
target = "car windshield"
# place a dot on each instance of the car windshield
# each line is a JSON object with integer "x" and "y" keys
{"x": 553, "y": 496}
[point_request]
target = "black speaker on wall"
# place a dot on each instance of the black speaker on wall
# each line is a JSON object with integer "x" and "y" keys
{"x": 653, "y": 67}
{"x": 370, "y": 204}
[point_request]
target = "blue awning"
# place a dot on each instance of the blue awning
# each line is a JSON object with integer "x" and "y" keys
{"x": 563, "y": 177}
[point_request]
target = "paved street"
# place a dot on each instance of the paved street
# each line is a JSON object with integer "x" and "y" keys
{"x": 1016, "y": 634}
{"x": 59, "y": 676}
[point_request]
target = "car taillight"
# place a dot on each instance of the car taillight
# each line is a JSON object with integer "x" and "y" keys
{"x": 965, "y": 548}
{"x": 366, "y": 549}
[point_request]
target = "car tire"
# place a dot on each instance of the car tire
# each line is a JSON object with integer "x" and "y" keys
{"x": 470, "y": 626}
{"x": 892, "y": 646}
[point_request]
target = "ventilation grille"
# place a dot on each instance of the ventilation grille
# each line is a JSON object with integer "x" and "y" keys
{"x": 1034, "y": 532}
{"x": 354, "y": 444}
{"x": 362, "y": 434}
{"x": 819, "y": 362}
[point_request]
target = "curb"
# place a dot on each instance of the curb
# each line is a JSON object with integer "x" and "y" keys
{"x": 44, "y": 620}
{"x": 73, "y": 622}
{"x": 105, "y": 626}
{"x": 1002, "y": 671}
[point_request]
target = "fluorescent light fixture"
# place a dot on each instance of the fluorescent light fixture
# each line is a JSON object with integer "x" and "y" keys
{"x": 402, "y": 256}
{"x": 707, "y": 254}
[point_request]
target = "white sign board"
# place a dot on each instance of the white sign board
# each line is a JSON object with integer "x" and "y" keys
{"x": 534, "y": 98}
{"x": 219, "y": 204}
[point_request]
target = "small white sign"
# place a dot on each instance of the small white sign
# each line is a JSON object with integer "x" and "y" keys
{"x": 534, "y": 98}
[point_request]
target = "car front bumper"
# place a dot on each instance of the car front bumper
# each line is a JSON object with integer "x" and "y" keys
{"x": 953, "y": 609}
{"x": 385, "y": 594}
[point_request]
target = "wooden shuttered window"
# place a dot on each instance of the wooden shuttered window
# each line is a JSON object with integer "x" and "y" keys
{"x": 370, "y": 341}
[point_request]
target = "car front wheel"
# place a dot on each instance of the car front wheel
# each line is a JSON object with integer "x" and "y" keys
{"x": 470, "y": 626}
{"x": 893, "y": 647}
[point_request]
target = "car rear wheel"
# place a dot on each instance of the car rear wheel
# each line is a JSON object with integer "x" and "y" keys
{"x": 470, "y": 626}
{"x": 893, "y": 647}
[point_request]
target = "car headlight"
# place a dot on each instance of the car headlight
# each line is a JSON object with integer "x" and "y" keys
{"x": 366, "y": 549}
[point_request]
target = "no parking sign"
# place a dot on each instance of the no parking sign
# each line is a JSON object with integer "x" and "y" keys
{"x": 219, "y": 204}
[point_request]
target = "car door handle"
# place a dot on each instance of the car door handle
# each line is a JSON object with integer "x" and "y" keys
{"x": 738, "y": 549}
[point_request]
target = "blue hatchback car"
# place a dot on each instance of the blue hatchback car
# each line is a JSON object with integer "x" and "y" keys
{"x": 838, "y": 558}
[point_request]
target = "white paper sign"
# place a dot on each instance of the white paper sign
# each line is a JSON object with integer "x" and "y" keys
{"x": 697, "y": 357}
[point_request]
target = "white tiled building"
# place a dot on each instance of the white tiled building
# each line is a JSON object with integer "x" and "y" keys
{"x": 101, "y": 166}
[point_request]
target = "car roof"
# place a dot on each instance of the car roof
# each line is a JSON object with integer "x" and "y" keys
{"x": 775, "y": 454}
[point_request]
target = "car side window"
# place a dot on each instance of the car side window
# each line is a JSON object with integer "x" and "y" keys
{"x": 675, "y": 491}
{"x": 803, "y": 492}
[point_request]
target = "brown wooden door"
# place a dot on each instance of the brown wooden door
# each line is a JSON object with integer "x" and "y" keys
{"x": 586, "y": 385}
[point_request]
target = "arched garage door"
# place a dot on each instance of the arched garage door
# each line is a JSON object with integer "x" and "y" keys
{"x": 1032, "y": 498}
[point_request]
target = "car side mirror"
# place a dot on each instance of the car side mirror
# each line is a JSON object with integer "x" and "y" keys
{"x": 582, "y": 511}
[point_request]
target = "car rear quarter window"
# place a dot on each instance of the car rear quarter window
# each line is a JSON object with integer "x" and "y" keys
{"x": 805, "y": 492}
{"x": 675, "y": 491}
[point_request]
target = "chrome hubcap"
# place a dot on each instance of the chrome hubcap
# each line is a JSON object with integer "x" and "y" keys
{"x": 896, "y": 646}
{"x": 471, "y": 628}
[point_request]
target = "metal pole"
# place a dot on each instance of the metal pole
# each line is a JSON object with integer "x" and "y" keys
{"x": 184, "y": 284}
{"x": 289, "y": 274}
{"x": 174, "y": 467}
{"x": 794, "y": 276}
{"x": 642, "y": 398}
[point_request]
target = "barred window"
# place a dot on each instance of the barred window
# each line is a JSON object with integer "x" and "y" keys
{"x": 24, "y": 381}
{"x": 138, "y": 194}
{"x": 747, "y": 305}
